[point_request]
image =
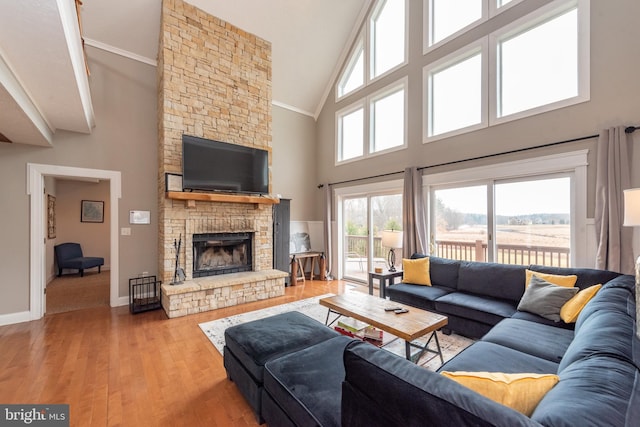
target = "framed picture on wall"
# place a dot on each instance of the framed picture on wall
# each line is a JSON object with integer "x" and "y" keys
{"x": 92, "y": 211}
{"x": 51, "y": 217}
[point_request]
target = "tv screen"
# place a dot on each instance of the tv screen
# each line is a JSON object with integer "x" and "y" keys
{"x": 219, "y": 166}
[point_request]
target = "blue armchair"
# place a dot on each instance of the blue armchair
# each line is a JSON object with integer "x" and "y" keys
{"x": 69, "y": 255}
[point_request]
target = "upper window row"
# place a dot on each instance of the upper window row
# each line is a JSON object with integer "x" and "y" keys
{"x": 536, "y": 64}
{"x": 385, "y": 47}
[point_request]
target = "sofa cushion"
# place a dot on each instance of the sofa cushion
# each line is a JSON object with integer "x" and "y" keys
{"x": 442, "y": 271}
{"x": 477, "y": 307}
{"x": 417, "y": 296}
{"x": 523, "y": 315}
{"x": 601, "y": 391}
{"x": 382, "y": 389}
{"x": 488, "y": 356}
{"x": 544, "y": 341}
{"x": 416, "y": 271}
{"x": 604, "y": 332}
{"x": 492, "y": 279}
{"x": 586, "y": 276}
{"x": 521, "y": 392}
{"x": 307, "y": 384}
{"x": 545, "y": 299}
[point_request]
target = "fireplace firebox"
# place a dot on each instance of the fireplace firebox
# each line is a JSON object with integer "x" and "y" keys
{"x": 221, "y": 253}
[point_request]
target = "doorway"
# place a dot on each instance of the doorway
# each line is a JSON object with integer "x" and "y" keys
{"x": 363, "y": 213}
{"x": 37, "y": 256}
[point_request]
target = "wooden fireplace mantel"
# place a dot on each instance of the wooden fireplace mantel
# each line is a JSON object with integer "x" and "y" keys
{"x": 226, "y": 198}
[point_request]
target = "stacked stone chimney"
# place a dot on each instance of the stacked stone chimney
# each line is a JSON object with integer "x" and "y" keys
{"x": 214, "y": 82}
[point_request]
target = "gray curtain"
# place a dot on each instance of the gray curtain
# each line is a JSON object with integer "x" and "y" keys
{"x": 328, "y": 243}
{"x": 613, "y": 175}
{"x": 414, "y": 220}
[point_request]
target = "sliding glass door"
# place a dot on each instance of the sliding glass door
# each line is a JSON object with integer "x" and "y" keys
{"x": 533, "y": 221}
{"x": 459, "y": 225}
{"x": 519, "y": 221}
{"x": 355, "y": 239}
{"x": 364, "y": 217}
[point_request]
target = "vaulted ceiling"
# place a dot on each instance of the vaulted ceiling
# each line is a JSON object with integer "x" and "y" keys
{"x": 43, "y": 86}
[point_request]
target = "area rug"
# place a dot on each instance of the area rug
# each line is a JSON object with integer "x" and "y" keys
{"x": 450, "y": 344}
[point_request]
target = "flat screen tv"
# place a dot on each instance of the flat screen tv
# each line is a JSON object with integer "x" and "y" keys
{"x": 210, "y": 165}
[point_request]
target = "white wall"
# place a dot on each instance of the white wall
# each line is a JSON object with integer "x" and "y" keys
{"x": 294, "y": 167}
{"x": 124, "y": 139}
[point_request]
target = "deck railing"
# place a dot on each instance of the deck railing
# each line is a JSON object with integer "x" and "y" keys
{"x": 359, "y": 245}
{"x": 554, "y": 256}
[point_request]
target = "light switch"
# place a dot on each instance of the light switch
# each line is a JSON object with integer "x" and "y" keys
{"x": 125, "y": 231}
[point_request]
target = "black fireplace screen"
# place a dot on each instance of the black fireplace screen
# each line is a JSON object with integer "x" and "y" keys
{"x": 221, "y": 253}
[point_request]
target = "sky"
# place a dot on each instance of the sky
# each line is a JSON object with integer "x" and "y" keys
{"x": 515, "y": 198}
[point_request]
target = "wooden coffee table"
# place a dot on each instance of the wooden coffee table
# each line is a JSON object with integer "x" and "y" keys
{"x": 407, "y": 326}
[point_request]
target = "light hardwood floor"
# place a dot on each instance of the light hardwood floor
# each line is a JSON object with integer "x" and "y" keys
{"x": 118, "y": 369}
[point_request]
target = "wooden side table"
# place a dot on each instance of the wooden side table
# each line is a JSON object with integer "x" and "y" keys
{"x": 303, "y": 258}
{"x": 383, "y": 278}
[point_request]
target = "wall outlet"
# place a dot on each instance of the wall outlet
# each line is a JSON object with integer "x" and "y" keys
{"x": 125, "y": 231}
{"x": 145, "y": 273}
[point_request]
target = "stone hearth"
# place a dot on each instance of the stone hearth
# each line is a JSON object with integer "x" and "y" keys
{"x": 209, "y": 293}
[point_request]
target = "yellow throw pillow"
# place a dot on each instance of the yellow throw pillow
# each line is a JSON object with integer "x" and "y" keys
{"x": 416, "y": 271}
{"x": 556, "y": 279}
{"x": 572, "y": 308}
{"x": 521, "y": 392}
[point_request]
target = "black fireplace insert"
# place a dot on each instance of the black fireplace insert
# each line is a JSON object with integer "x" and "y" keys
{"x": 222, "y": 253}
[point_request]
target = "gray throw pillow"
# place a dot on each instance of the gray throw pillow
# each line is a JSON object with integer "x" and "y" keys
{"x": 545, "y": 299}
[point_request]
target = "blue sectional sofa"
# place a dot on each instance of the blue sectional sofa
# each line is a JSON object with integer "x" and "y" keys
{"x": 339, "y": 381}
{"x": 475, "y": 296}
{"x": 598, "y": 365}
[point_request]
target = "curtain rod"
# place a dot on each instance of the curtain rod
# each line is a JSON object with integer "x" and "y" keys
{"x": 629, "y": 129}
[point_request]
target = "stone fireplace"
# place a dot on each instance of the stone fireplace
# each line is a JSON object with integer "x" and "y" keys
{"x": 214, "y": 82}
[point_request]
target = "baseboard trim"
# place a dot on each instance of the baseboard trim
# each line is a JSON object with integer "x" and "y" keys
{"x": 25, "y": 316}
{"x": 12, "y": 318}
{"x": 122, "y": 301}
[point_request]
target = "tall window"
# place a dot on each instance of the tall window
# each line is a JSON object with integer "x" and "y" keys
{"x": 387, "y": 36}
{"x": 447, "y": 17}
{"x": 388, "y": 119}
{"x": 455, "y": 91}
{"x": 351, "y": 133}
{"x": 538, "y": 65}
{"x": 353, "y": 76}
